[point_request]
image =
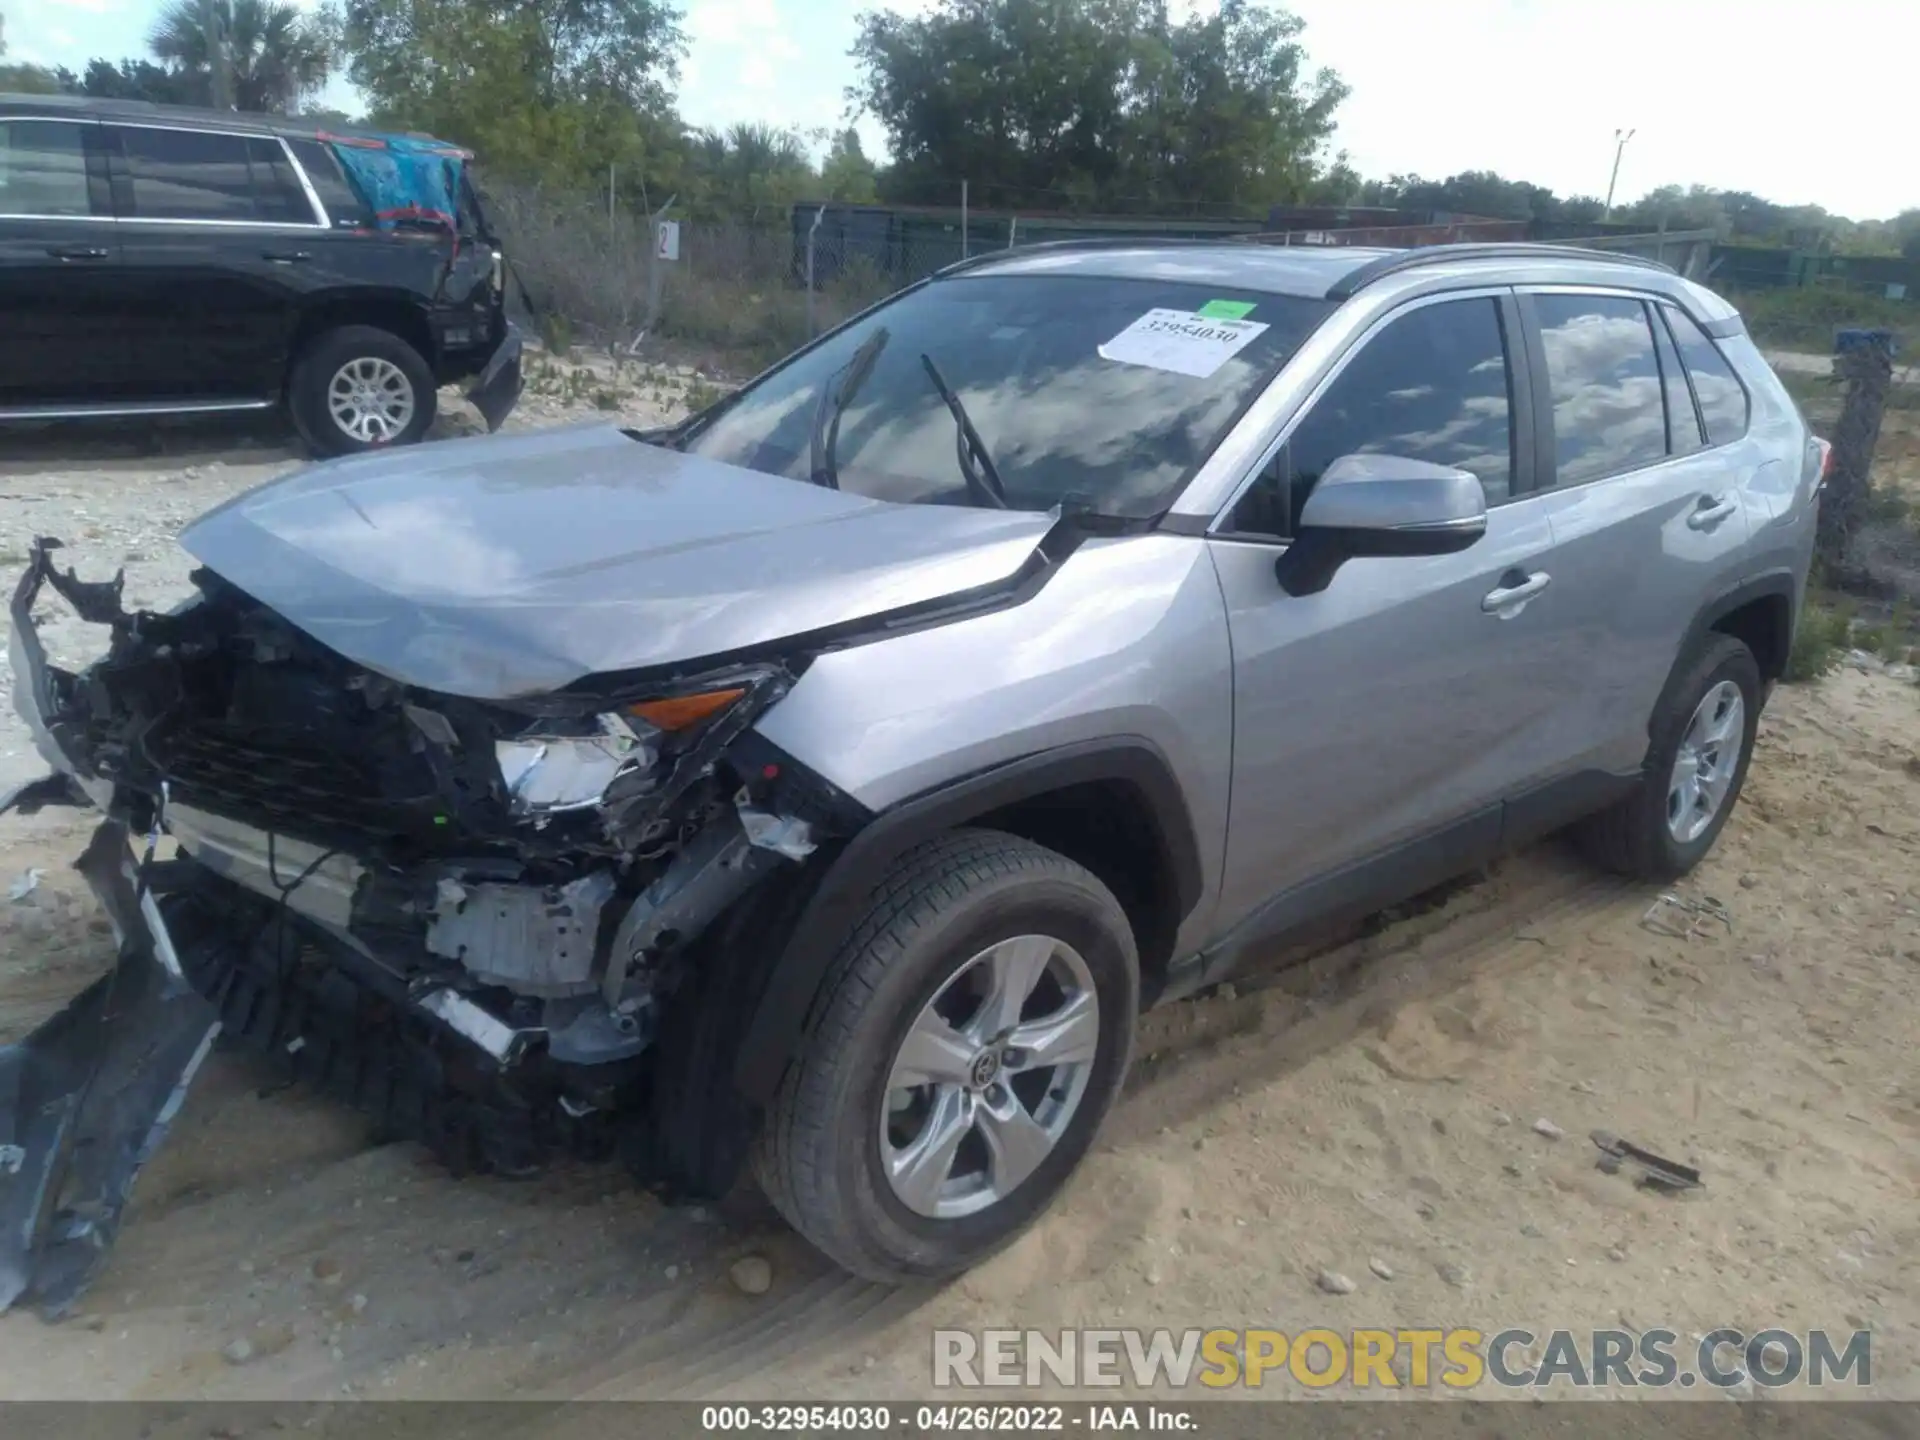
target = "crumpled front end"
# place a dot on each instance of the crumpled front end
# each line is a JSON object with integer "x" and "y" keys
{"x": 466, "y": 918}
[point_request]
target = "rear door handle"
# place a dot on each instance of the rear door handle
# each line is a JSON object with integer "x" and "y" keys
{"x": 77, "y": 252}
{"x": 1711, "y": 510}
{"x": 286, "y": 257}
{"x": 1516, "y": 588}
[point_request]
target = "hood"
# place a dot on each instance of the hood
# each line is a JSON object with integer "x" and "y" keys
{"x": 509, "y": 566}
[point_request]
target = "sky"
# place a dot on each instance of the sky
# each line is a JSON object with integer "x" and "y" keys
{"x": 1738, "y": 96}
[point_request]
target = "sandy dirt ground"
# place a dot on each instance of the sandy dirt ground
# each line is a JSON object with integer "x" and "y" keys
{"x": 1409, "y": 1110}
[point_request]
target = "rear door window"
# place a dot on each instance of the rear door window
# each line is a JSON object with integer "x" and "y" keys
{"x": 43, "y": 168}
{"x": 1609, "y": 415}
{"x": 1432, "y": 385}
{"x": 200, "y": 175}
{"x": 277, "y": 195}
{"x": 1723, "y": 399}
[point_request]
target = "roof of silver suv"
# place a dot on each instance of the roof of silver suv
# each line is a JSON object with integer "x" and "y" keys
{"x": 1339, "y": 272}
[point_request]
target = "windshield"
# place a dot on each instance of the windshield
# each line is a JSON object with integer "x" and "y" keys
{"x": 1109, "y": 391}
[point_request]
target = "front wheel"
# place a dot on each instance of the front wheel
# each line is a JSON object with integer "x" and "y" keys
{"x": 359, "y": 388}
{"x": 1700, "y": 743}
{"x": 976, "y": 1028}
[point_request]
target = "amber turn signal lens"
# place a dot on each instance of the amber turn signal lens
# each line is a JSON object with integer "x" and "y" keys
{"x": 683, "y": 711}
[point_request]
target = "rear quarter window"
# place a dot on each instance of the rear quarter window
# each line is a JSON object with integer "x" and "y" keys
{"x": 345, "y": 209}
{"x": 1724, "y": 406}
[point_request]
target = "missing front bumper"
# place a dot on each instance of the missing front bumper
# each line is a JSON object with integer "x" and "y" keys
{"x": 87, "y": 1098}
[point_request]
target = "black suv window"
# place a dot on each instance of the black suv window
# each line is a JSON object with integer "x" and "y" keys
{"x": 1723, "y": 399}
{"x": 277, "y": 195}
{"x": 196, "y": 175}
{"x": 1608, "y": 412}
{"x": 338, "y": 198}
{"x": 1431, "y": 386}
{"x": 43, "y": 168}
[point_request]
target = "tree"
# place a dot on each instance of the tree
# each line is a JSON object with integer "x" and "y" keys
{"x": 275, "y": 57}
{"x": 748, "y": 172}
{"x": 135, "y": 80}
{"x": 848, "y": 175}
{"x": 1482, "y": 193}
{"x": 1096, "y": 103}
{"x": 25, "y": 79}
{"x": 546, "y": 89}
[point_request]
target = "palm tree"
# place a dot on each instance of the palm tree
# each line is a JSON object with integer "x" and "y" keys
{"x": 275, "y": 57}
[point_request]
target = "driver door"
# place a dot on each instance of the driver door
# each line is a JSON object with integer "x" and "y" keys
{"x": 1379, "y": 723}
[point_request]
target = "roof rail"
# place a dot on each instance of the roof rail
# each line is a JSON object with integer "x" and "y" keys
{"x": 1086, "y": 242}
{"x": 1362, "y": 276}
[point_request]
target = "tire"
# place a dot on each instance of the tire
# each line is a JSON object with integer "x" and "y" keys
{"x": 395, "y": 368}
{"x": 1635, "y": 836}
{"x": 820, "y": 1152}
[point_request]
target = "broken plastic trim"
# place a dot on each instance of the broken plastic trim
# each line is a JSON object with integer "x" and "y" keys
{"x": 87, "y": 1098}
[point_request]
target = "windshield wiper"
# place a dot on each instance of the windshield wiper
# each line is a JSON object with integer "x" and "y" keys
{"x": 839, "y": 393}
{"x": 983, "y": 480}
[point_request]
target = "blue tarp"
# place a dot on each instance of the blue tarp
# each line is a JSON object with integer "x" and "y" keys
{"x": 405, "y": 178}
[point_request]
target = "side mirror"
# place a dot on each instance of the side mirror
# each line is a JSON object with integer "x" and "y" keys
{"x": 1371, "y": 505}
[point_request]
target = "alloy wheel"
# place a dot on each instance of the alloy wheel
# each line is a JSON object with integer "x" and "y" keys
{"x": 989, "y": 1077}
{"x": 370, "y": 399}
{"x": 1707, "y": 760}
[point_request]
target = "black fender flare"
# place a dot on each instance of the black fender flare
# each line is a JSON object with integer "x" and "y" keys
{"x": 784, "y": 1012}
{"x": 1775, "y": 584}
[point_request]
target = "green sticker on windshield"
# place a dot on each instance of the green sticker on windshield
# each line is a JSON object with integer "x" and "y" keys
{"x": 1226, "y": 309}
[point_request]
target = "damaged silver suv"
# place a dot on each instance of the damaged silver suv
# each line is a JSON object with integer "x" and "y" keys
{"x": 825, "y": 783}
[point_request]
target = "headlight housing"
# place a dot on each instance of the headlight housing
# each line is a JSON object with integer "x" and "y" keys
{"x": 551, "y": 771}
{"x": 552, "y": 774}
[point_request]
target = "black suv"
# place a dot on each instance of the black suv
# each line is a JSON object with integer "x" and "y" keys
{"x": 163, "y": 261}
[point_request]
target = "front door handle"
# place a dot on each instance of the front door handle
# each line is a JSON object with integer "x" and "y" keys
{"x": 1711, "y": 510}
{"x": 286, "y": 257}
{"x": 77, "y": 252}
{"x": 1516, "y": 588}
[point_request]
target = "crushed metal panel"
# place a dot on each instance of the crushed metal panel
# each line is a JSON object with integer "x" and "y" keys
{"x": 533, "y": 939}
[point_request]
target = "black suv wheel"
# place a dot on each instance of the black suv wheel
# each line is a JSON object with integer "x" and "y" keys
{"x": 976, "y": 1028}
{"x": 360, "y": 388}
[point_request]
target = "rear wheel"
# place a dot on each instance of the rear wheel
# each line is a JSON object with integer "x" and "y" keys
{"x": 358, "y": 388}
{"x": 975, "y": 1031}
{"x": 1700, "y": 743}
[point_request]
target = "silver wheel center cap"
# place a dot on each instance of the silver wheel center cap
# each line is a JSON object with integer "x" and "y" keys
{"x": 985, "y": 1069}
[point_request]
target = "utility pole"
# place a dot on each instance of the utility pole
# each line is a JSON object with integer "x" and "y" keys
{"x": 1620, "y": 138}
{"x": 219, "y": 72}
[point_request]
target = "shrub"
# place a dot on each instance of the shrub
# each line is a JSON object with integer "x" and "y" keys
{"x": 1819, "y": 644}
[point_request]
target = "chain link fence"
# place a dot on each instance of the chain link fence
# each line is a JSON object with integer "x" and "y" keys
{"x": 742, "y": 292}
{"x": 747, "y": 290}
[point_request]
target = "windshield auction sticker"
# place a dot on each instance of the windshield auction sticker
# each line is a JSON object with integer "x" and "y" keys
{"x": 1181, "y": 342}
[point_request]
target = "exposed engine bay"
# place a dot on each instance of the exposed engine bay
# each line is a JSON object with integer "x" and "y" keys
{"x": 466, "y": 917}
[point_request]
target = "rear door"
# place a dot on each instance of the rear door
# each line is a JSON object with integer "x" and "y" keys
{"x": 1404, "y": 701}
{"x": 62, "y": 339}
{"x": 217, "y": 243}
{"x": 1649, "y": 519}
